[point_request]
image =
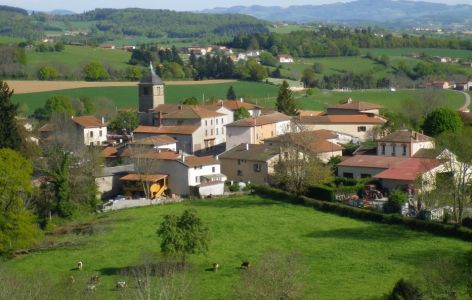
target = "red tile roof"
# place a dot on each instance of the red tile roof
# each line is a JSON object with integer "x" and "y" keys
{"x": 88, "y": 122}
{"x": 233, "y": 105}
{"x": 174, "y": 111}
{"x": 260, "y": 120}
{"x": 156, "y": 140}
{"x": 193, "y": 161}
{"x": 410, "y": 169}
{"x": 48, "y": 127}
{"x": 182, "y": 129}
{"x": 342, "y": 119}
{"x": 109, "y": 152}
{"x": 372, "y": 161}
{"x": 406, "y": 136}
{"x": 317, "y": 140}
{"x": 356, "y": 105}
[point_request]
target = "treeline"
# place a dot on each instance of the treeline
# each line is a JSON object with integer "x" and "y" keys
{"x": 328, "y": 41}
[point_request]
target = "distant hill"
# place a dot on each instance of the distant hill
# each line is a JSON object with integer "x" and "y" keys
{"x": 389, "y": 12}
{"x": 110, "y": 23}
{"x": 61, "y": 12}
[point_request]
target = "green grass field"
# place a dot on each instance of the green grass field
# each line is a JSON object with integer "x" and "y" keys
{"x": 429, "y": 51}
{"x": 128, "y": 96}
{"x": 75, "y": 57}
{"x": 290, "y": 28}
{"x": 345, "y": 258}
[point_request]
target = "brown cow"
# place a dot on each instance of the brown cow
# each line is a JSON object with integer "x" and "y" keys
{"x": 245, "y": 265}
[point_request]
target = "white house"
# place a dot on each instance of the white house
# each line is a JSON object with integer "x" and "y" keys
{"x": 404, "y": 143}
{"x": 91, "y": 130}
{"x": 285, "y": 59}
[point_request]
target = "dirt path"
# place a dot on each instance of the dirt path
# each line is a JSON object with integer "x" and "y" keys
{"x": 34, "y": 86}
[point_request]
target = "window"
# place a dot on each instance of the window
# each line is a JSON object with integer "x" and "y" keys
{"x": 158, "y": 90}
{"x": 348, "y": 175}
{"x": 361, "y": 129}
{"x": 91, "y": 133}
{"x": 216, "y": 121}
{"x": 222, "y": 130}
{"x": 196, "y": 179}
{"x": 146, "y": 90}
{"x": 239, "y": 161}
{"x": 206, "y": 132}
{"x": 272, "y": 133}
{"x": 206, "y": 122}
{"x": 257, "y": 167}
{"x": 217, "y": 131}
{"x": 240, "y": 173}
{"x": 365, "y": 176}
{"x": 404, "y": 150}
{"x": 212, "y": 132}
{"x": 394, "y": 149}
{"x": 222, "y": 121}
{"x": 383, "y": 149}
{"x": 101, "y": 133}
{"x": 211, "y": 122}
{"x": 213, "y": 169}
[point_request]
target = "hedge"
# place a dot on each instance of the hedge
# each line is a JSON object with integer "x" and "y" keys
{"x": 367, "y": 215}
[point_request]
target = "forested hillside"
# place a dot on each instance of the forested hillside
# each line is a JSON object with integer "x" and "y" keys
{"x": 149, "y": 23}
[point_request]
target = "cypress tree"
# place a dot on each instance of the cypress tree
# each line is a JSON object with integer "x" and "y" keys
{"x": 231, "y": 95}
{"x": 285, "y": 102}
{"x": 9, "y": 132}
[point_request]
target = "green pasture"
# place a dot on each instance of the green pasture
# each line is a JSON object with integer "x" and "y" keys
{"x": 344, "y": 258}
{"x": 429, "y": 51}
{"x": 10, "y": 40}
{"x": 290, "y": 28}
{"x": 75, "y": 57}
{"x": 127, "y": 97}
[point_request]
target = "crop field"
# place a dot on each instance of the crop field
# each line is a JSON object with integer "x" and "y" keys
{"x": 75, "y": 57}
{"x": 127, "y": 96}
{"x": 343, "y": 258}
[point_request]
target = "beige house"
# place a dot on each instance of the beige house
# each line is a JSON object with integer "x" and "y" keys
{"x": 249, "y": 162}
{"x": 405, "y": 143}
{"x": 351, "y": 107}
{"x": 186, "y": 136}
{"x": 440, "y": 85}
{"x": 358, "y": 126}
{"x": 320, "y": 142}
{"x": 234, "y": 105}
{"x": 285, "y": 59}
{"x": 254, "y": 130}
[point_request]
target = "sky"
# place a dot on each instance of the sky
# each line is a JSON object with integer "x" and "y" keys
{"x": 180, "y": 5}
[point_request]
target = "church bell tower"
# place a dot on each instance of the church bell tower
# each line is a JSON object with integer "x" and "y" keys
{"x": 151, "y": 91}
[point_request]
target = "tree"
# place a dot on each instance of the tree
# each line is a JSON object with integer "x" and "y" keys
{"x": 17, "y": 228}
{"x": 318, "y": 68}
{"x": 384, "y": 60}
{"x": 183, "y": 235}
{"x": 47, "y": 73}
{"x": 61, "y": 182}
{"x": 309, "y": 78}
{"x": 285, "y": 101}
{"x": 275, "y": 275}
{"x": 442, "y": 120}
{"x": 190, "y": 101}
{"x": 268, "y": 59}
{"x": 134, "y": 73}
{"x": 58, "y": 104}
{"x": 241, "y": 113}
{"x": 125, "y": 120}
{"x": 231, "y": 95}
{"x": 59, "y": 46}
{"x": 298, "y": 166}
{"x": 9, "y": 133}
{"x": 95, "y": 71}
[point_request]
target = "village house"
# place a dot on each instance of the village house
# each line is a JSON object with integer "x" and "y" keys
{"x": 186, "y": 175}
{"x": 233, "y": 106}
{"x": 320, "y": 142}
{"x": 440, "y": 85}
{"x": 250, "y": 163}
{"x": 351, "y": 107}
{"x": 158, "y": 142}
{"x": 464, "y": 86}
{"x": 285, "y": 59}
{"x": 108, "y": 180}
{"x": 404, "y": 143}
{"x": 366, "y": 166}
{"x": 188, "y": 140}
{"x": 91, "y": 130}
{"x": 254, "y": 130}
{"x": 360, "y": 127}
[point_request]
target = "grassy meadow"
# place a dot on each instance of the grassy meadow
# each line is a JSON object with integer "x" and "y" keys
{"x": 75, "y": 57}
{"x": 429, "y": 51}
{"x": 344, "y": 258}
{"x": 260, "y": 93}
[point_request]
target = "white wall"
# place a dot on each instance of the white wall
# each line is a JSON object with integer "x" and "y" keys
{"x": 194, "y": 173}
{"x": 282, "y": 127}
{"x": 349, "y": 129}
{"x": 94, "y": 136}
{"x": 238, "y": 135}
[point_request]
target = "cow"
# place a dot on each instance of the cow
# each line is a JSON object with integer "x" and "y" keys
{"x": 91, "y": 288}
{"x": 94, "y": 279}
{"x": 80, "y": 265}
{"x": 245, "y": 265}
{"x": 216, "y": 266}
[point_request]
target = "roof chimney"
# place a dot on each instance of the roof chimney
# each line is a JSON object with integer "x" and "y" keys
{"x": 247, "y": 147}
{"x": 242, "y": 100}
{"x": 349, "y": 100}
{"x": 103, "y": 120}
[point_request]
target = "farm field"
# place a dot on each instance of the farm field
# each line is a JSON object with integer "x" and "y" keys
{"x": 75, "y": 57}
{"x": 259, "y": 93}
{"x": 126, "y": 96}
{"x": 344, "y": 258}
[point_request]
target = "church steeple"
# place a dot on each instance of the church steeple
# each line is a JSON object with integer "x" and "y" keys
{"x": 151, "y": 90}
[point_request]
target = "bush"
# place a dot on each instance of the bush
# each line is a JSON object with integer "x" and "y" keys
{"x": 466, "y": 222}
{"x": 405, "y": 290}
{"x": 234, "y": 187}
{"x": 395, "y": 201}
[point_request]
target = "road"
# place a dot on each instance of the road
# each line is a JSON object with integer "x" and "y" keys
{"x": 466, "y": 102}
